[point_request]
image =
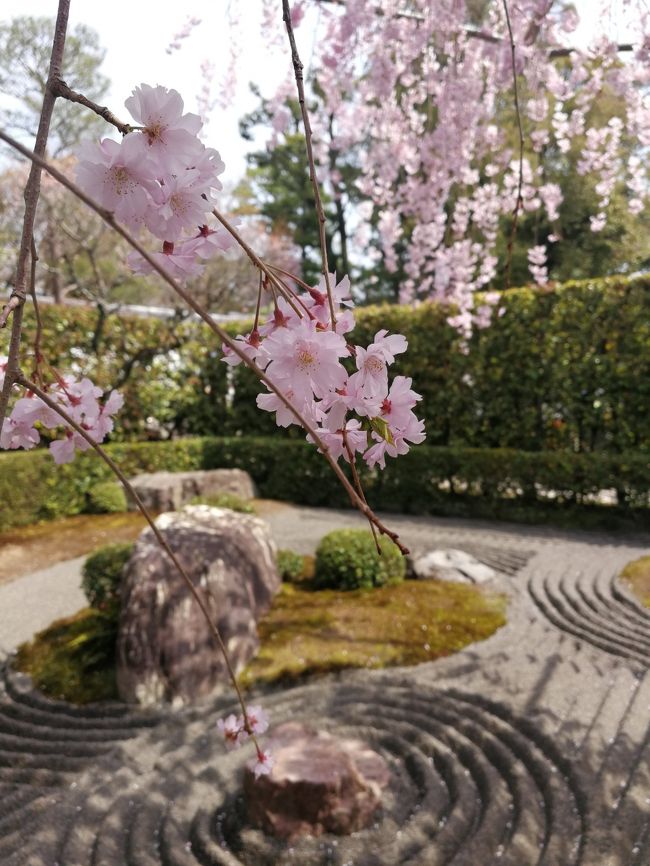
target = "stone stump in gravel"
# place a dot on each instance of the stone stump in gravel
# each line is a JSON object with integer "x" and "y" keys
{"x": 165, "y": 651}
{"x": 169, "y": 491}
{"x": 318, "y": 784}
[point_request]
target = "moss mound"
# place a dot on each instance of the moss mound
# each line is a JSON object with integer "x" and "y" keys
{"x": 637, "y": 577}
{"x": 308, "y": 632}
{"x": 74, "y": 658}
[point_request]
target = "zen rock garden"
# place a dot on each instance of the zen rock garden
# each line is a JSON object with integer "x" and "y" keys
{"x": 529, "y": 747}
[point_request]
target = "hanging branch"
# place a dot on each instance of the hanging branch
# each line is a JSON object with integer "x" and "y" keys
{"x": 298, "y": 73}
{"x": 16, "y": 302}
{"x": 520, "y": 183}
{"x": 160, "y": 538}
{"x": 38, "y": 355}
{"x": 232, "y": 344}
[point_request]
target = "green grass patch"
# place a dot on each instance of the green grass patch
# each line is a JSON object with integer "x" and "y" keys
{"x": 637, "y": 577}
{"x": 74, "y": 658}
{"x": 309, "y": 632}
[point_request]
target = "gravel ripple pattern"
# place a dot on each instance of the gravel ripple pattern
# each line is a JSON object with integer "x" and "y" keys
{"x": 529, "y": 749}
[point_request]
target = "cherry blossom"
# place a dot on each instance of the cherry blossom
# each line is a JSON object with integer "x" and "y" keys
{"x": 350, "y": 411}
{"x": 233, "y": 731}
{"x": 415, "y": 95}
{"x": 162, "y": 177}
{"x": 80, "y": 399}
{"x": 119, "y": 177}
{"x": 258, "y": 719}
{"x": 305, "y": 359}
{"x": 263, "y": 764}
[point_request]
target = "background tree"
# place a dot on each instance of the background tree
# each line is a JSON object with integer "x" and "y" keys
{"x": 422, "y": 91}
{"x": 277, "y": 183}
{"x": 24, "y": 52}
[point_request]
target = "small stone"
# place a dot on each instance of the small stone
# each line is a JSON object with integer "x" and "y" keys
{"x": 318, "y": 784}
{"x": 450, "y": 564}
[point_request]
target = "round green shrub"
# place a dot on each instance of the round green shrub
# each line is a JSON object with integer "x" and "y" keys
{"x": 348, "y": 559}
{"x": 107, "y": 497}
{"x": 102, "y": 574}
{"x": 291, "y": 565}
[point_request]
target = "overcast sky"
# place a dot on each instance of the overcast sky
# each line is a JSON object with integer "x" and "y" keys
{"x": 135, "y": 38}
{"x": 136, "y": 33}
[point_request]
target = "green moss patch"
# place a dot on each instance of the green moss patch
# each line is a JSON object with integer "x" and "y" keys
{"x": 74, "y": 658}
{"x": 308, "y": 632}
{"x": 637, "y": 577}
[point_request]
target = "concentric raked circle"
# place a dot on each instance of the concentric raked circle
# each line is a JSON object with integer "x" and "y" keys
{"x": 596, "y": 609}
{"x": 471, "y": 784}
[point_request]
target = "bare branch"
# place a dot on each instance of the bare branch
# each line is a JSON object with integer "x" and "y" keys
{"x": 520, "y": 182}
{"x": 160, "y": 538}
{"x": 300, "y": 84}
{"x": 108, "y": 217}
{"x": 566, "y": 52}
{"x": 60, "y": 88}
{"x": 32, "y": 192}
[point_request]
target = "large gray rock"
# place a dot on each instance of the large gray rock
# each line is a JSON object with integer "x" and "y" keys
{"x": 318, "y": 784}
{"x": 450, "y": 564}
{"x": 169, "y": 491}
{"x": 165, "y": 650}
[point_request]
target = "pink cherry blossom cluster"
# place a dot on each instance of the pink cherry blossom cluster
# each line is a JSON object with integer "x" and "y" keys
{"x": 301, "y": 350}
{"x": 161, "y": 178}
{"x": 416, "y": 91}
{"x": 79, "y": 399}
{"x": 236, "y": 733}
{"x": 185, "y": 31}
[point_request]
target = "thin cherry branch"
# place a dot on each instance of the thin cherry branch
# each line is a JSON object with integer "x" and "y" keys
{"x": 38, "y": 355}
{"x": 357, "y": 483}
{"x": 160, "y": 538}
{"x": 257, "y": 261}
{"x": 60, "y": 88}
{"x": 32, "y": 191}
{"x": 232, "y": 344}
{"x": 298, "y": 73}
{"x": 520, "y": 182}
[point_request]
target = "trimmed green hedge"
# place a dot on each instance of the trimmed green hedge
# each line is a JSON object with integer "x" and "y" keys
{"x": 102, "y": 575}
{"x": 564, "y": 368}
{"x": 498, "y": 483}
